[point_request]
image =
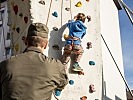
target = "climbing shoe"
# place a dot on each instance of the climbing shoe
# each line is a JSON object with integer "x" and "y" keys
{"x": 76, "y": 67}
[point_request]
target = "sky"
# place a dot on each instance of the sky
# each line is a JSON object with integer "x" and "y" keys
{"x": 126, "y": 29}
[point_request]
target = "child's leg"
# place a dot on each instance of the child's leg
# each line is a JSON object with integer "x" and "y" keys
{"x": 66, "y": 54}
{"x": 78, "y": 51}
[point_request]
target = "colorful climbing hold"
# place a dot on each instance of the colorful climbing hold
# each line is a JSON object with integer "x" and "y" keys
{"x": 91, "y": 63}
{"x": 89, "y": 18}
{"x": 66, "y": 36}
{"x": 14, "y": 27}
{"x": 80, "y": 73}
{"x": 55, "y": 14}
{"x": 83, "y": 98}
{"x": 87, "y": 0}
{"x": 21, "y": 15}
{"x": 71, "y": 82}
{"x": 18, "y": 29}
{"x": 89, "y": 45}
{"x": 67, "y": 9}
{"x": 91, "y": 88}
{"x": 55, "y": 28}
{"x": 56, "y": 47}
{"x": 57, "y": 92}
{"x": 15, "y": 8}
{"x": 42, "y": 2}
{"x": 25, "y": 19}
{"x": 79, "y": 4}
{"x": 16, "y": 47}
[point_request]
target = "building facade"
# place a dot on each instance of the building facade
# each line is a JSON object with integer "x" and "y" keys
{"x": 100, "y": 72}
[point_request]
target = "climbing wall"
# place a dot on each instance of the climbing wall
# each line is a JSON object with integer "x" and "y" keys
{"x": 55, "y": 14}
{"x": 19, "y": 20}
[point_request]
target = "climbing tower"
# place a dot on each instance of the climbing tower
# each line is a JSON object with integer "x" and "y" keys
{"x": 101, "y": 79}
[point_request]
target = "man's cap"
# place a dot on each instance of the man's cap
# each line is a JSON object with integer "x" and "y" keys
{"x": 38, "y": 29}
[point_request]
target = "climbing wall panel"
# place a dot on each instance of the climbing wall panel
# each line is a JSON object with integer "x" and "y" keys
{"x": 55, "y": 14}
{"x": 19, "y": 20}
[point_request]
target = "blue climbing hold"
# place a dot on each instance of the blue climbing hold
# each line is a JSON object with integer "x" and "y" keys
{"x": 55, "y": 14}
{"x": 57, "y": 92}
{"x": 91, "y": 63}
{"x": 71, "y": 82}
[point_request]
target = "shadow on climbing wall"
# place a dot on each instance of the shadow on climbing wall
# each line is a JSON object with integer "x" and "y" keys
{"x": 55, "y": 43}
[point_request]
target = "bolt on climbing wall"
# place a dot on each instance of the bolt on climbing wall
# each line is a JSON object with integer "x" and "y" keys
{"x": 55, "y": 14}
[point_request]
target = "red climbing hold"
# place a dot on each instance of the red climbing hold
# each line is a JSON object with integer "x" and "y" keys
{"x": 25, "y": 19}
{"x": 15, "y": 8}
{"x": 91, "y": 88}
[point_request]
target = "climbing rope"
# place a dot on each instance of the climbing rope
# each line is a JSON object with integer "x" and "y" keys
{"x": 49, "y": 12}
{"x": 117, "y": 66}
{"x": 61, "y": 11}
{"x": 71, "y": 8}
{"x": 3, "y": 34}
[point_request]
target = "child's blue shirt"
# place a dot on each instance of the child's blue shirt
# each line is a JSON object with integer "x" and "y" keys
{"x": 76, "y": 29}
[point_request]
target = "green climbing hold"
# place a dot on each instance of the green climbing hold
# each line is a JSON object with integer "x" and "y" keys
{"x": 42, "y": 2}
{"x": 91, "y": 63}
{"x": 57, "y": 92}
{"x": 71, "y": 82}
{"x": 55, "y": 14}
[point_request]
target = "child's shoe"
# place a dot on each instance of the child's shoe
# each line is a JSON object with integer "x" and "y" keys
{"x": 76, "y": 67}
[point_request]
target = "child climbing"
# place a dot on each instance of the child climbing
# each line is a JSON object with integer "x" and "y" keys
{"x": 77, "y": 30}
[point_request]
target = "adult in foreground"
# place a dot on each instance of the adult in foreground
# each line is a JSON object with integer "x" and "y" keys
{"x": 31, "y": 75}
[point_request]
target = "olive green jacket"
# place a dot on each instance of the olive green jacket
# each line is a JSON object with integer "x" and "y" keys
{"x": 31, "y": 76}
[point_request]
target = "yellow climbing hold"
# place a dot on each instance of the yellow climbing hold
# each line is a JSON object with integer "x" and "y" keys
{"x": 16, "y": 47}
{"x": 66, "y": 36}
{"x": 13, "y": 27}
{"x": 79, "y": 4}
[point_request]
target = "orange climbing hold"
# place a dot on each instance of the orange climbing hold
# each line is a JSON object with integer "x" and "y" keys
{"x": 83, "y": 98}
